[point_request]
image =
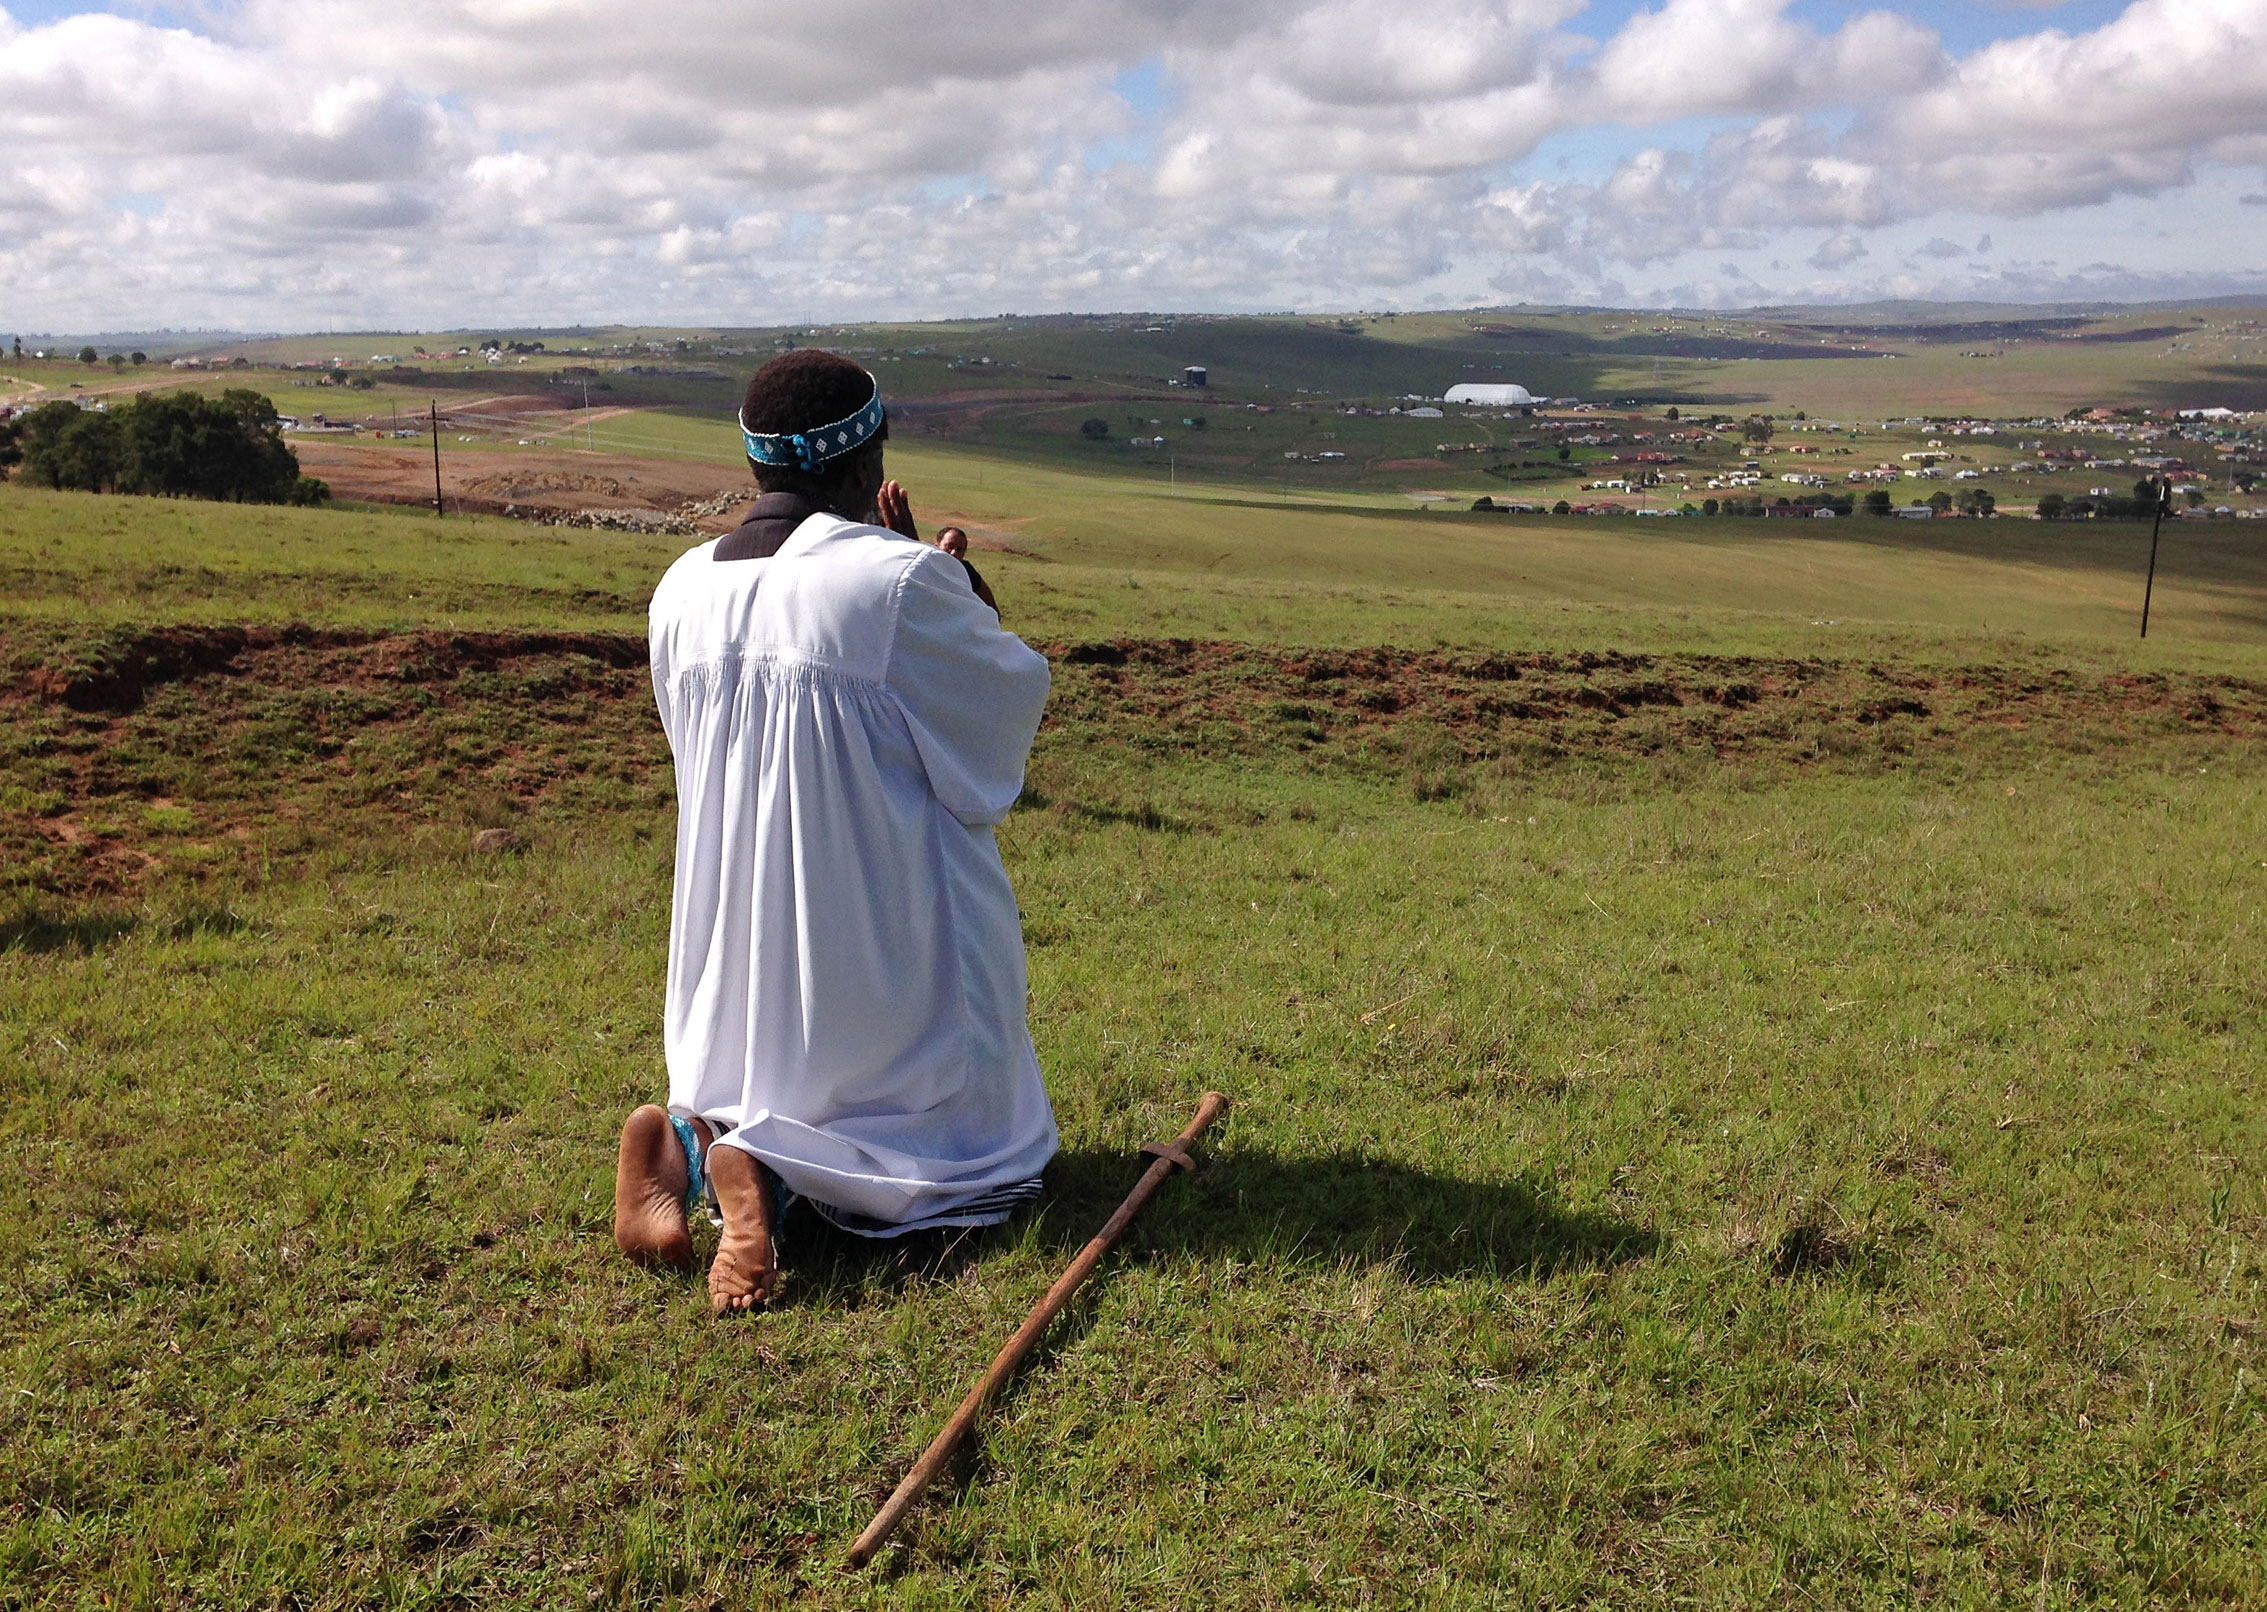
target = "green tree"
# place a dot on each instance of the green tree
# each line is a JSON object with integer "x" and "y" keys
{"x": 1940, "y": 501}
{"x": 1877, "y": 502}
{"x": 1565, "y": 454}
{"x": 1672, "y": 414}
{"x": 87, "y": 355}
{"x": 2052, "y": 506}
{"x": 180, "y": 445}
{"x": 168, "y": 444}
{"x": 1758, "y": 428}
{"x": 1561, "y": 508}
{"x": 1976, "y": 501}
{"x": 140, "y": 359}
{"x": 1095, "y": 429}
{"x": 66, "y": 446}
{"x": 19, "y": 349}
{"x": 1709, "y": 506}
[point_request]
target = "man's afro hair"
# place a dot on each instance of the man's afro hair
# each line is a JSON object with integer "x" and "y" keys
{"x": 803, "y": 390}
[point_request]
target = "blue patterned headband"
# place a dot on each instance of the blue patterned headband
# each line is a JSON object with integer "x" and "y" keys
{"x": 809, "y": 450}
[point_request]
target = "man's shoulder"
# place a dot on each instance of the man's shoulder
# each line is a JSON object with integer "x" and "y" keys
{"x": 835, "y": 553}
{"x": 830, "y": 537}
{"x": 673, "y": 581}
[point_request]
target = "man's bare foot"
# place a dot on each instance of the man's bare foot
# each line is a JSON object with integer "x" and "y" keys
{"x": 746, "y": 1272}
{"x": 649, "y": 1192}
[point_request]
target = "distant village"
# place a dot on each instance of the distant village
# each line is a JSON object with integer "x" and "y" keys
{"x": 1601, "y": 458}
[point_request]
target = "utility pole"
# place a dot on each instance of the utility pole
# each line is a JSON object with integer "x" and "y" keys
{"x": 589, "y": 437}
{"x": 2164, "y": 502}
{"x": 435, "y": 410}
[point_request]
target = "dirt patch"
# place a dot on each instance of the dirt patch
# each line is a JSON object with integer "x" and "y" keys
{"x": 531, "y": 484}
{"x": 196, "y": 753}
{"x": 1539, "y": 707}
{"x": 189, "y": 753}
{"x": 115, "y": 675}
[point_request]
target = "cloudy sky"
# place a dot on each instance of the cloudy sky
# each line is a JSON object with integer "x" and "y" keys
{"x": 417, "y": 163}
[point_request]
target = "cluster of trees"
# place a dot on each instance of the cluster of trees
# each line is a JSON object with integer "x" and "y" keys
{"x": 166, "y": 444}
{"x": 2142, "y": 505}
{"x": 87, "y": 355}
{"x": 1840, "y": 503}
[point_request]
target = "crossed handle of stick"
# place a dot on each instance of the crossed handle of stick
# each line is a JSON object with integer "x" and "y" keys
{"x": 1165, "y": 1157}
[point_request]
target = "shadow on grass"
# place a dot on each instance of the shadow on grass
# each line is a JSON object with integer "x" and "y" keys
{"x": 1326, "y": 1210}
{"x": 30, "y": 929}
{"x": 1316, "y": 1212}
{"x": 34, "y": 929}
{"x": 1335, "y": 1209}
{"x": 2234, "y": 386}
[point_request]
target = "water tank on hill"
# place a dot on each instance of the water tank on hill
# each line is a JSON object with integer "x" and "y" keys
{"x": 1193, "y": 376}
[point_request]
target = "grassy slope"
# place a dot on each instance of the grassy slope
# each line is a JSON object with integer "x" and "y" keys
{"x": 1098, "y": 554}
{"x": 1655, "y": 1173}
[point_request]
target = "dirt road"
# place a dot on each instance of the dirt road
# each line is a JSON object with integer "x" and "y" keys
{"x": 528, "y": 483}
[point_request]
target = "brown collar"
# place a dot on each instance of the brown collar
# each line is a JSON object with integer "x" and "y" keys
{"x": 771, "y": 520}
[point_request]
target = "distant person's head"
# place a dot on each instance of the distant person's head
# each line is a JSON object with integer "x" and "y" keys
{"x": 814, "y": 426}
{"x": 953, "y": 541}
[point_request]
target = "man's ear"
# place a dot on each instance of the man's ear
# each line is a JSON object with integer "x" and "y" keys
{"x": 870, "y": 485}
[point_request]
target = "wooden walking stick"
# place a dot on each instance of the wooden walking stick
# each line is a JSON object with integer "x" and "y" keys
{"x": 1165, "y": 1157}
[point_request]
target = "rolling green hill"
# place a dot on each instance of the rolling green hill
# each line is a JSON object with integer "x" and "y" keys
{"x": 1746, "y": 1040}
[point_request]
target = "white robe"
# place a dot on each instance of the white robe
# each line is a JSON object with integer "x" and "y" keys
{"x": 846, "y": 971}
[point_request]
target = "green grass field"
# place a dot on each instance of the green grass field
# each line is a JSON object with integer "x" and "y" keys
{"x": 1747, "y": 1050}
{"x": 1103, "y": 553}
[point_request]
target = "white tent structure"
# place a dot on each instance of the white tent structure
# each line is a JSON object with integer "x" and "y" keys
{"x": 1491, "y": 396}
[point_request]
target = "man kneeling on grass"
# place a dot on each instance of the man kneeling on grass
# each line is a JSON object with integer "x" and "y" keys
{"x": 845, "y": 1014}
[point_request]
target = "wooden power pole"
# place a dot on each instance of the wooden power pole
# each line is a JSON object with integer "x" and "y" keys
{"x": 2163, "y": 501}
{"x": 435, "y": 410}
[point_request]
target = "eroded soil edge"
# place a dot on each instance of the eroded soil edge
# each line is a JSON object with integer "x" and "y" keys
{"x": 188, "y": 752}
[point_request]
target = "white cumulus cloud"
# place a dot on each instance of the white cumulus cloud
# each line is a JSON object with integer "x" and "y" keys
{"x": 314, "y": 161}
